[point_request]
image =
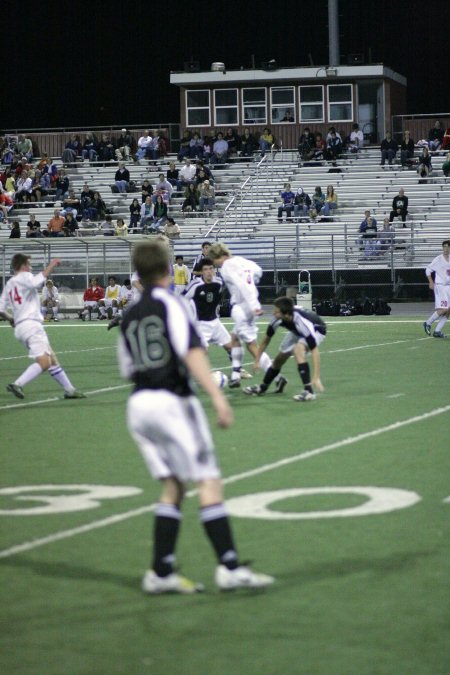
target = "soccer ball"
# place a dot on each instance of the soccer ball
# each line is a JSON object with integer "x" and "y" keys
{"x": 220, "y": 379}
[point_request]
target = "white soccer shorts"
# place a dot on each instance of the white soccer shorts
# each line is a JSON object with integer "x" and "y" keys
{"x": 442, "y": 296}
{"x": 244, "y": 324}
{"x": 214, "y": 333}
{"x": 290, "y": 340}
{"x": 173, "y": 435}
{"x": 33, "y": 336}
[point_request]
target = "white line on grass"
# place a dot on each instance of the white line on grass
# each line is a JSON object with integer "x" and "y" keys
{"x": 111, "y": 520}
{"x": 69, "y": 351}
{"x": 59, "y": 398}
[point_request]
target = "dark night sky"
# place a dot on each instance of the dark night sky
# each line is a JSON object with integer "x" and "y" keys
{"x": 89, "y": 64}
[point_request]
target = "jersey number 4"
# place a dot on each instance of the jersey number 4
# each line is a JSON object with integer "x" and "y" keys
{"x": 16, "y": 297}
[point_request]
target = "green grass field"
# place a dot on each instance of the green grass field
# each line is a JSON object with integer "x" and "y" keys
{"x": 362, "y": 574}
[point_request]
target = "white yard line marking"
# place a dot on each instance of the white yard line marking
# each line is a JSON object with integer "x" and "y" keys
{"x": 371, "y": 346}
{"x": 60, "y": 398}
{"x": 104, "y": 522}
{"x": 395, "y": 395}
{"x": 69, "y": 351}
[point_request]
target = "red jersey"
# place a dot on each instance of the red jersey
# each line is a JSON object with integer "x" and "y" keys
{"x": 91, "y": 294}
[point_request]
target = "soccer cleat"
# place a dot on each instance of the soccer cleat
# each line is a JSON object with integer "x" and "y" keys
{"x": 245, "y": 375}
{"x": 234, "y": 384}
{"x": 115, "y": 321}
{"x": 439, "y": 334}
{"x": 241, "y": 577}
{"x": 304, "y": 396}
{"x": 427, "y": 328}
{"x": 16, "y": 390}
{"x": 280, "y": 384}
{"x": 254, "y": 390}
{"x": 173, "y": 583}
{"x": 74, "y": 394}
{"x": 55, "y": 318}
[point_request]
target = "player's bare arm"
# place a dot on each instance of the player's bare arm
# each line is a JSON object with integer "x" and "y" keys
{"x": 51, "y": 266}
{"x": 199, "y": 367}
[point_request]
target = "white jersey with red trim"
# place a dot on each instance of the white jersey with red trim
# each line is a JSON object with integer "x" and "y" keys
{"x": 441, "y": 266}
{"x": 241, "y": 276}
{"x": 21, "y": 296}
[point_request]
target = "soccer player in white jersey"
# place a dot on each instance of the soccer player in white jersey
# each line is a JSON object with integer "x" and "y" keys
{"x": 306, "y": 330}
{"x": 50, "y": 300}
{"x": 20, "y": 305}
{"x": 440, "y": 269}
{"x": 241, "y": 276}
{"x": 159, "y": 350}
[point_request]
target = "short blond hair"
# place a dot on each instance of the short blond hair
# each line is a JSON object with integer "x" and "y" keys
{"x": 218, "y": 250}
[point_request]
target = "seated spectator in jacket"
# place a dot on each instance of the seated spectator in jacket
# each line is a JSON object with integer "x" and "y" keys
{"x": 55, "y": 227}
{"x": 50, "y": 301}
{"x": 72, "y": 150}
{"x": 86, "y": 198}
{"x": 287, "y": 198}
{"x": 143, "y": 145}
{"x": 125, "y": 144}
{"x": 207, "y": 149}
{"x": 91, "y": 297}
{"x": 25, "y": 147}
{"x": 318, "y": 200}
{"x": 122, "y": 178}
{"x": 368, "y": 232}
{"x": 107, "y": 226}
{"x": 446, "y": 166}
{"x": 171, "y": 229}
{"x": 306, "y": 145}
{"x": 159, "y": 214}
{"x": 331, "y": 202}
{"x": 424, "y": 167}
{"x": 24, "y": 186}
{"x": 333, "y": 148}
{"x": 249, "y": 144}
{"x": 185, "y": 145}
{"x": 97, "y": 208}
{"x": 62, "y": 185}
{"x": 51, "y": 170}
{"x": 201, "y": 168}
{"x": 165, "y": 186}
{"x": 220, "y": 150}
{"x": 302, "y": 203}
{"x": 146, "y": 190}
{"x": 90, "y": 147}
{"x": 446, "y": 139}
{"x": 399, "y": 207}
{"x": 70, "y": 226}
{"x": 233, "y": 142}
{"x": 106, "y": 149}
{"x": 120, "y": 228}
{"x": 356, "y": 139}
{"x": 435, "y": 137}
{"x": 388, "y": 148}
{"x": 153, "y": 147}
{"x": 386, "y": 237}
{"x": 319, "y": 147}
{"x": 266, "y": 140}
{"x": 135, "y": 215}
{"x": 147, "y": 209}
{"x": 406, "y": 149}
{"x": 207, "y": 199}
{"x": 187, "y": 173}
{"x": 34, "y": 226}
{"x": 172, "y": 175}
{"x": 196, "y": 146}
{"x": 332, "y": 130}
{"x": 191, "y": 198}
{"x": 15, "y": 230}
{"x": 72, "y": 203}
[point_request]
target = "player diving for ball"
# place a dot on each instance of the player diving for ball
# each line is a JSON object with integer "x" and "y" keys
{"x": 306, "y": 330}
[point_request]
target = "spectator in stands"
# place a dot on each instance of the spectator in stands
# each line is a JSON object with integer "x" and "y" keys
{"x": 249, "y": 144}
{"x": 446, "y": 139}
{"x": 386, "y": 236}
{"x": 399, "y": 207}
{"x": 435, "y": 137}
{"x": 121, "y": 228}
{"x": 143, "y": 145}
{"x": 6, "y": 204}
{"x": 331, "y": 202}
{"x": 91, "y": 297}
{"x": 288, "y": 116}
{"x": 332, "y": 130}
{"x": 106, "y": 149}
{"x": 306, "y": 145}
{"x": 24, "y": 187}
{"x": 86, "y": 198}
{"x": 424, "y": 167}
{"x": 159, "y": 213}
{"x": 146, "y": 190}
{"x": 191, "y": 198}
{"x": 389, "y": 149}
{"x": 90, "y": 147}
{"x": 125, "y": 146}
{"x": 187, "y": 173}
{"x": 266, "y": 140}
{"x": 50, "y": 301}
{"x": 233, "y": 141}
{"x": 171, "y": 229}
{"x": 40, "y": 186}
{"x": 446, "y": 166}
{"x": 201, "y": 168}
{"x": 34, "y": 227}
{"x": 72, "y": 203}
{"x": 7, "y": 151}
{"x": 319, "y": 147}
{"x": 368, "y": 234}
{"x": 25, "y": 147}
{"x": 185, "y": 145}
{"x": 302, "y": 204}
{"x": 62, "y": 185}
{"x": 147, "y": 210}
{"x": 153, "y": 147}
{"x": 196, "y": 146}
{"x": 333, "y": 149}
{"x": 55, "y": 227}
{"x": 356, "y": 139}
{"x": 15, "y": 230}
{"x": 70, "y": 226}
{"x": 97, "y": 208}
{"x": 201, "y": 177}
{"x": 72, "y": 150}
{"x": 164, "y": 186}
{"x": 107, "y": 226}
{"x": 406, "y": 148}
{"x": 318, "y": 200}
{"x": 287, "y": 198}
{"x": 122, "y": 178}
{"x": 42, "y": 162}
{"x": 207, "y": 149}
{"x": 51, "y": 170}
{"x": 135, "y": 215}
{"x": 220, "y": 150}
{"x": 172, "y": 176}
{"x": 207, "y": 198}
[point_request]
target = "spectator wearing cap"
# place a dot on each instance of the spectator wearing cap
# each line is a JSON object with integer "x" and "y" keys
{"x": 207, "y": 198}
